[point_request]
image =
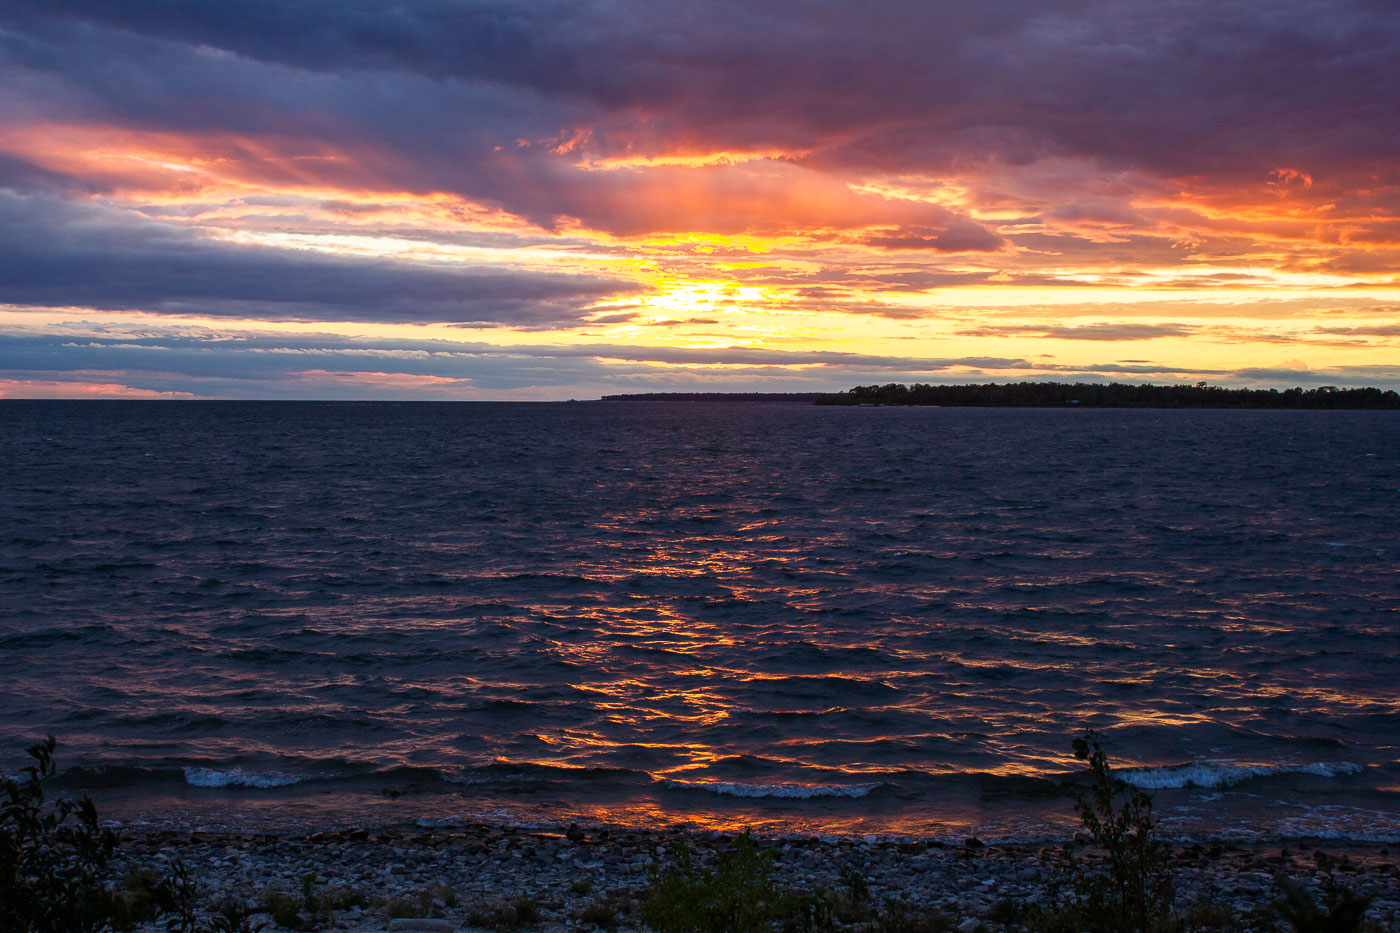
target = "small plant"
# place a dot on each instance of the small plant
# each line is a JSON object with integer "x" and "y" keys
{"x": 1138, "y": 892}
{"x": 402, "y": 908}
{"x": 314, "y": 914}
{"x": 1341, "y": 912}
{"x": 598, "y": 913}
{"x": 140, "y": 897}
{"x": 1005, "y": 911}
{"x": 179, "y": 895}
{"x": 283, "y": 909}
{"x": 313, "y": 909}
{"x": 1132, "y": 890}
{"x": 55, "y": 864}
{"x": 423, "y": 902}
{"x": 857, "y": 887}
{"x": 898, "y": 916}
{"x": 233, "y": 916}
{"x": 738, "y": 895}
{"x": 53, "y": 860}
{"x": 341, "y": 897}
{"x": 507, "y": 916}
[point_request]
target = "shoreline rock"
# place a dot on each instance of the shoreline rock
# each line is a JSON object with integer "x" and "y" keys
{"x": 472, "y": 877}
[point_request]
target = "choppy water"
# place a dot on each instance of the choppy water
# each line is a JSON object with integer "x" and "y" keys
{"x": 800, "y": 618}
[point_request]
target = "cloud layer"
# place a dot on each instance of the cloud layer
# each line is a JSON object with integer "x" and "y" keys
{"x": 60, "y": 254}
{"x": 1003, "y": 181}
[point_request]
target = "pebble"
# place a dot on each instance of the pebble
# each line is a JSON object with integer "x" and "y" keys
{"x": 450, "y": 874}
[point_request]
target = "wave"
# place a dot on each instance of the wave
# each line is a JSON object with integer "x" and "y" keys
{"x": 115, "y": 775}
{"x": 1226, "y": 774}
{"x": 237, "y": 777}
{"x": 792, "y": 791}
{"x": 338, "y": 772}
{"x": 507, "y": 775}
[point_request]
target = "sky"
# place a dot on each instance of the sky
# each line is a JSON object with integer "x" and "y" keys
{"x": 468, "y": 199}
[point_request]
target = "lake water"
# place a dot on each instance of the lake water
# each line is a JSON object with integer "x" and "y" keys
{"x": 801, "y": 619}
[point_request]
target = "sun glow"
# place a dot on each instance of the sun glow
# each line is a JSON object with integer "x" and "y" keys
{"x": 1026, "y": 271}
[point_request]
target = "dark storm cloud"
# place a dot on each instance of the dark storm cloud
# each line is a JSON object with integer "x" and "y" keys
{"x": 1181, "y": 88}
{"x": 54, "y": 253}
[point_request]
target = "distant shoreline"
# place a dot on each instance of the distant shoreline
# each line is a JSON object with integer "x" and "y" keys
{"x": 1058, "y": 395}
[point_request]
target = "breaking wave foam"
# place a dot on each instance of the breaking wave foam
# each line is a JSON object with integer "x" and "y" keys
{"x": 236, "y": 777}
{"x": 1226, "y": 774}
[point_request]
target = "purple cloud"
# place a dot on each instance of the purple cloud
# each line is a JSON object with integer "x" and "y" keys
{"x": 54, "y": 253}
{"x": 1182, "y": 89}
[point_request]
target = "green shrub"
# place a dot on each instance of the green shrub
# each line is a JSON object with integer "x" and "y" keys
{"x": 401, "y": 908}
{"x": 1132, "y": 889}
{"x": 422, "y": 902}
{"x": 1005, "y": 911}
{"x": 140, "y": 896}
{"x": 897, "y": 916}
{"x": 341, "y": 897}
{"x": 56, "y": 871}
{"x": 314, "y": 912}
{"x": 856, "y": 885}
{"x": 598, "y": 913}
{"x": 284, "y": 909}
{"x": 738, "y": 895}
{"x": 315, "y": 907}
{"x": 1341, "y": 911}
{"x": 507, "y": 915}
{"x": 180, "y": 895}
{"x": 233, "y": 916}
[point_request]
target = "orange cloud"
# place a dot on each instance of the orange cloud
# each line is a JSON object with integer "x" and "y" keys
{"x": 174, "y": 165}
{"x": 714, "y": 194}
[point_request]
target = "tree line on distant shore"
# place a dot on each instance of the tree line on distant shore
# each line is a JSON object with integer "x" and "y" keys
{"x": 1111, "y": 395}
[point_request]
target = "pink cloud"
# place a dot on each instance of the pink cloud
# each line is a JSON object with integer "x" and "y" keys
{"x": 71, "y": 388}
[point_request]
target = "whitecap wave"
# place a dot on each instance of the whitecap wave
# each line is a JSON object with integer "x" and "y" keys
{"x": 236, "y": 777}
{"x": 1226, "y": 773}
{"x": 792, "y": 791}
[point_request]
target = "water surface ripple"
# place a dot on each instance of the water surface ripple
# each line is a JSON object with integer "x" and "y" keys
{"x": 887, "y": 620}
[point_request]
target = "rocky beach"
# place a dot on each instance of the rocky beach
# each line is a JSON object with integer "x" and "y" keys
{"x": 571, "y": 878}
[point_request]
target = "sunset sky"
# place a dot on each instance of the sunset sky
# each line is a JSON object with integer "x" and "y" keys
{"x": 466, "y": 199}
